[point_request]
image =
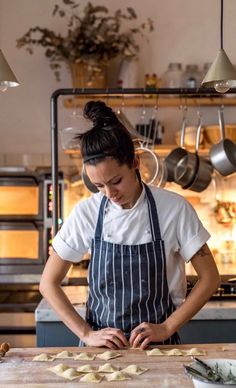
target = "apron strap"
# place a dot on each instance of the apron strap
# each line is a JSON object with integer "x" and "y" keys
{"x": 99, "y": 226}
{"x": 153, "y": 217}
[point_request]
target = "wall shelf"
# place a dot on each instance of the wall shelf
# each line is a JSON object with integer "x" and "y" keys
{"x": 149, "y": 101}
{"x": 161, "y": 149}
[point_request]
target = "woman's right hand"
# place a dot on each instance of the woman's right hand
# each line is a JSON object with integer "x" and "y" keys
{"x": 110, "y": 337}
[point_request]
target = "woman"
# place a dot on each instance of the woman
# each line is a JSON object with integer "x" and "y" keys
{"x": 140, "y": 238}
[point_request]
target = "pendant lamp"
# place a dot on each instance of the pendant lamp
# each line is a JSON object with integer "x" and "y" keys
{"x": 221, "y": 75}
{"x": 7, "y": 77}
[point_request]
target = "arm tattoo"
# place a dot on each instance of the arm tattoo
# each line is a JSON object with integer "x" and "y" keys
{"x": 203, "y": 251}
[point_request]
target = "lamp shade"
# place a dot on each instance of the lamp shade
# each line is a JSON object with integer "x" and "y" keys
{"x": 221, "y": 70}
{"x": 7, "y": 77}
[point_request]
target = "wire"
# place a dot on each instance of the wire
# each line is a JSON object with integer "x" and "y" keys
{"x": 221, "y": 23}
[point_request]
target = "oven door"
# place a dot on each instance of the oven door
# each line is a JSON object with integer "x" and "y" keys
{"x": 22, "y": 247}
{"x": 21, "y": 197}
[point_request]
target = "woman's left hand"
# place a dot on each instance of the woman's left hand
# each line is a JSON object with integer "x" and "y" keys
{"x": 145, "y": 333}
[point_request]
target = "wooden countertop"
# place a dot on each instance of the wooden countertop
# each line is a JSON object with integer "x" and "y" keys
{"x": 17, "y": 369}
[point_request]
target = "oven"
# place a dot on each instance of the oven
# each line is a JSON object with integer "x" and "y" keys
{"x": 25, "y": 221}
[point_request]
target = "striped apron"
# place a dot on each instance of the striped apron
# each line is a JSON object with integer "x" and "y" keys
{"x": 128, "y": 283}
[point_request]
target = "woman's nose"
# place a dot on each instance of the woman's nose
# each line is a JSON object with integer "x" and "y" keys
{"x": 110, "y": 192}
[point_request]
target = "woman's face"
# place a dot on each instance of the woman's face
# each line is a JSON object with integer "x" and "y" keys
{"x": 117, "y": 182}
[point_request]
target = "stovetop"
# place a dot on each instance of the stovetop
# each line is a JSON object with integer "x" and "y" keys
{"x": 226, "y": 291}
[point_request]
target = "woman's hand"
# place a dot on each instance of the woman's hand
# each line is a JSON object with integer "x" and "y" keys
{"x": 110, "y": 337}
{"x": 145, "y": 333}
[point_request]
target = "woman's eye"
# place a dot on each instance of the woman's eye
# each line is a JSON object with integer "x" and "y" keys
{"x": 117, "y": 182}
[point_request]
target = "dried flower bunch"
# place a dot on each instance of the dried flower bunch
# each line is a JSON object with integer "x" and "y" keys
{"x": 92, "y": 34}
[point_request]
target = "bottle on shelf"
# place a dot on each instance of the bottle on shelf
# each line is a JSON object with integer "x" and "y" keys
{"x": 173, "y": 77}
{"x": 192, "y": 76}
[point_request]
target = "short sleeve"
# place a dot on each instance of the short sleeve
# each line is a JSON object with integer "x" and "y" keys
{"x": 73, "y": 240}
{"x": 191, "y": 233}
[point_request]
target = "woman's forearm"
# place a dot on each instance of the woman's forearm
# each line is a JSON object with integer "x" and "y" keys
{"x": 208, "y": 281}
{"x": 199, "y": 295}
{"x": 56, "y": 297}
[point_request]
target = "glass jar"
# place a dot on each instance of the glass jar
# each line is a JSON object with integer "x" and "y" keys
{"x": 192, "y": 76}
{"x": 173, "y": 76}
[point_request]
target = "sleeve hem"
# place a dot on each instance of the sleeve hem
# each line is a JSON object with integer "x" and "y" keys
{"x": 189, "y": 250}
{"x": 65, "y": 251}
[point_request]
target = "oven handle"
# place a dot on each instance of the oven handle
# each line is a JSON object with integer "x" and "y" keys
{"x": 31, "y": 225}
{"x": 18, "y": 181}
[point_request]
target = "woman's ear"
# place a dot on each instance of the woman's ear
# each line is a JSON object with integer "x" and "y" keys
{"x": 136, "y": 162}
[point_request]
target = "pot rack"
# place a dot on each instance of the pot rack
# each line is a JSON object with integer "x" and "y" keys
{"x": 180, "y": 92}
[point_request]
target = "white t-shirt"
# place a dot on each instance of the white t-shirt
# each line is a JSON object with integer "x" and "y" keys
{"x": 180, "y": 227}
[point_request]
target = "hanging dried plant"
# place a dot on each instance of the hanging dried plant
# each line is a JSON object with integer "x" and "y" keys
{"x": 91, "y": 34}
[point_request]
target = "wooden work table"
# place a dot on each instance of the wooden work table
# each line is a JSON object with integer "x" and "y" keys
{"x": 17, "y": 368}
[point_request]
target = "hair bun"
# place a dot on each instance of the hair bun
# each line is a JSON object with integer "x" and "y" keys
{"x": 99, "y": 113}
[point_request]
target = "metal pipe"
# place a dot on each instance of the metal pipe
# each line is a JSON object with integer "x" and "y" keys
{"x": 194, "y": 92}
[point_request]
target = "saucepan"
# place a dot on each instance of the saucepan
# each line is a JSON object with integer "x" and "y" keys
{"x": 223, "y": 154}
{"x": 176, "y": 154}
{"x": 186, "y": 167}
{"x": 203, "y": 171}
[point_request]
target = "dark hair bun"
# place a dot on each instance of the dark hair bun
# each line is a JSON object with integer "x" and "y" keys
{"x": 100, "y": 114}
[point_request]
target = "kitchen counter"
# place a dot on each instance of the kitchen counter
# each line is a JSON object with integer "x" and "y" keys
{"x": 163, "y": 371}
{"x": 213, "y": 310}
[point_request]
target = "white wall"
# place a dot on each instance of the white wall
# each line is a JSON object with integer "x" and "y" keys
{"x": 186, "y": 31}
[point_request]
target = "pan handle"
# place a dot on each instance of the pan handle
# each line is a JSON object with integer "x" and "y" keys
{"x": 182, "y": 133}
{"x": 221, "y": 122}
{"x": 198, "y": 133}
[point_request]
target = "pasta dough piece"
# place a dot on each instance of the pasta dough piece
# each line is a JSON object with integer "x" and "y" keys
{"x": 65, "y": 354}
{"x": 134, "y": 370}
{"x": 173, "y": 352}
{"x": 195, "y": 352}
{"x": 91, "y": 378}
{"x": 86, "y": 368}
{"x": 108, "y": 355}
{"x": 107, "y": 368}
{"x": 70, "y": 374}
{"x": 43, "y": 357}
{"x": 84, "y": 356}
{"x": 59, "y": 369}
{"x": 154, "y": 352}
{"x": 117, "y": 376}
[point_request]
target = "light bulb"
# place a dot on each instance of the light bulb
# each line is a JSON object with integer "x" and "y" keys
{"x": 222, "y": 86}
{"x": 3, "y": 88}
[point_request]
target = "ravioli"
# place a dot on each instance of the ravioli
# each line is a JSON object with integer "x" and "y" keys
{"x": 117, "y": 376}
{"x": 91, "y": 378}
{"x": 108, "y": 355}
{"x": 107, "y": 368}
{"x": 59, "y": 369}
{"x": 70, "y": 374}
{"x": 85, "y": 356}
{"x": 43, "y": 357}
{"x": 86, "y": 368}
{"x": 134, "y": 370}
{"x": 154, "y": 352}
{"x": 65, "y": 354}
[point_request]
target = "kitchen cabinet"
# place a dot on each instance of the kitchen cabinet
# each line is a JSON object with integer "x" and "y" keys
{"x": 215, "y": 322}
{"x": 17, "y": 368}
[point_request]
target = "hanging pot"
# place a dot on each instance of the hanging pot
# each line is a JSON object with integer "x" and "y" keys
{"x": 203, "y": 172}
{"x": 186, "y": 168}
{"x": 176, "y": 155}
{"x": 223, "y": 154}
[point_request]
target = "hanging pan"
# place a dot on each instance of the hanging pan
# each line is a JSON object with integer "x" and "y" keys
{"x": 176, "y": 154}
{"x": 203, "y": 173}
{"x": 223, "y": 154}
{"x": 186, "y": 167}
